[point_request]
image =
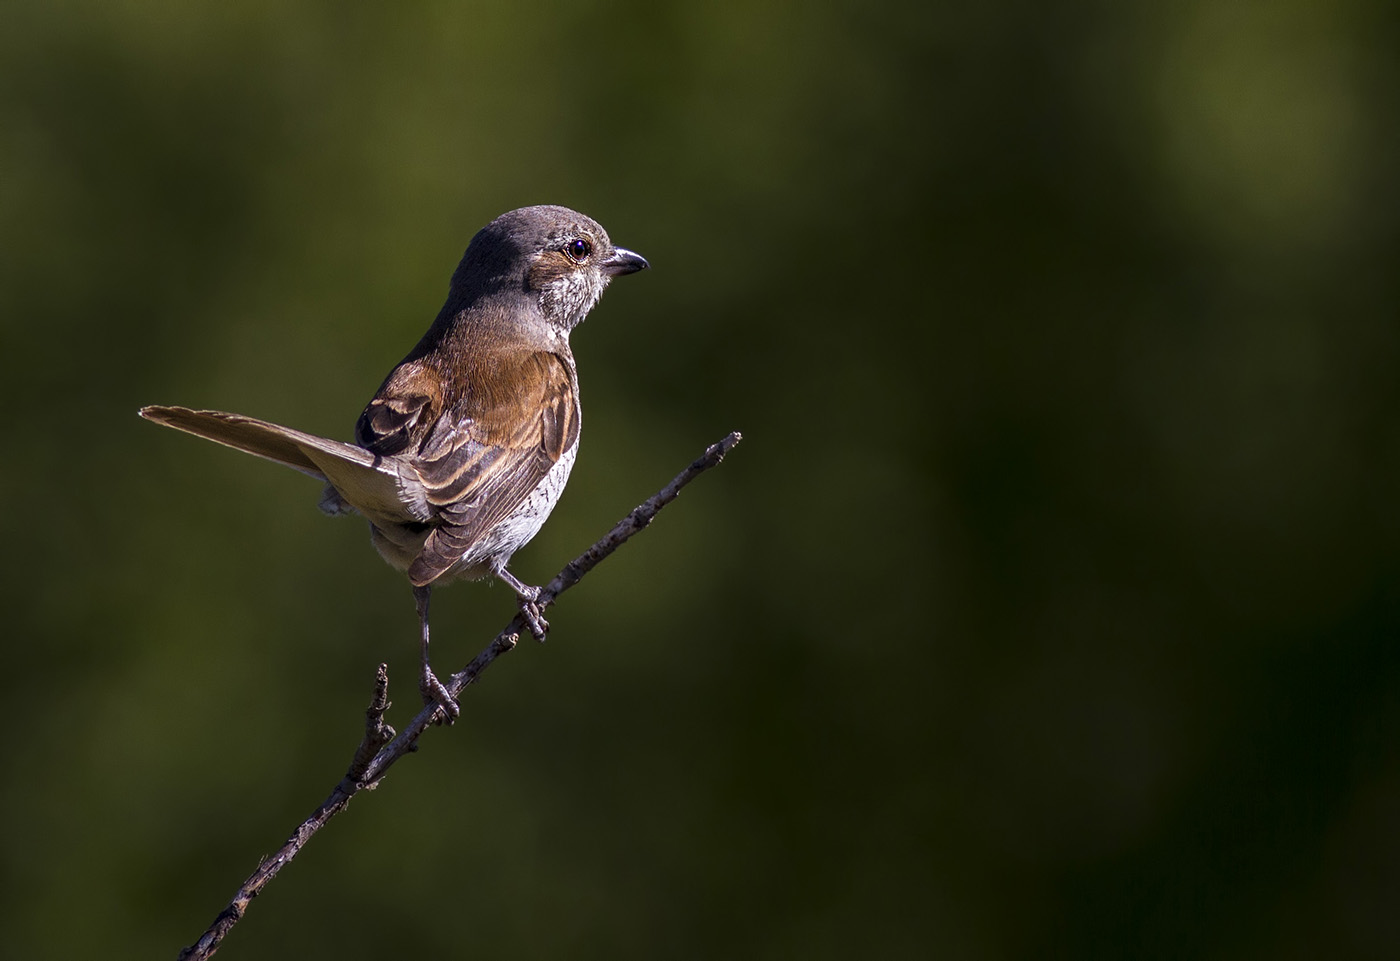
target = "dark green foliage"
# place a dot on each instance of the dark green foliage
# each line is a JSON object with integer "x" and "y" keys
{"x": 1050, "y": 608}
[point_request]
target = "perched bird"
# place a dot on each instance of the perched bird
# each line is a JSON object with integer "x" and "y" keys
{"x": 463, "y": 452}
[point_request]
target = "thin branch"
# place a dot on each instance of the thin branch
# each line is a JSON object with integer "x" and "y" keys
{"x": 377, "y": 733}
{"x": 381, "y": 748}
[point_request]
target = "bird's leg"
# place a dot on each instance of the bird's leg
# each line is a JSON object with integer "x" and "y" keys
{"x": 526, "y": 596}
{"x": 432, "y": 689}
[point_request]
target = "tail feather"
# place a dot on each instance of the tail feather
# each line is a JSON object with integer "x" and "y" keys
{"x": 380, "y": 488}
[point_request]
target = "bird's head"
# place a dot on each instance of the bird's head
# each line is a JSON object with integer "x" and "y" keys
{"x": 558, "y": 255}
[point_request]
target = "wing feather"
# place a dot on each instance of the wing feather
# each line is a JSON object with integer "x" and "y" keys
{"x": 481, "y": 453}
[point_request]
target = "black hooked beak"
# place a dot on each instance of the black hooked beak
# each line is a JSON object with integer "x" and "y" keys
{"x": 623, "y": 261}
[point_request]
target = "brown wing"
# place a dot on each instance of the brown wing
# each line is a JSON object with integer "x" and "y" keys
{"x": 481, "y": 453}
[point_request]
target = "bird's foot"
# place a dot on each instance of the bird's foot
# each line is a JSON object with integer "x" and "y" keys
{"x": 435, "y": 692}
{"x": 526, "y": 596}
{"x": 534, "y": 618}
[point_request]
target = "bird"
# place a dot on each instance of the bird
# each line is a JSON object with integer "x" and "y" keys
{"x": 464, "y": 450}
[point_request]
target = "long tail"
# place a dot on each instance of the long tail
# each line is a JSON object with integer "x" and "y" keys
{"x": 375, "y": 486}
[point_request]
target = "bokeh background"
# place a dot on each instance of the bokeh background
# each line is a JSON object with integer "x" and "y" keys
{"x": 1049, "y": 608}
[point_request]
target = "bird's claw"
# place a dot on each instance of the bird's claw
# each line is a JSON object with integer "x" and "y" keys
{"x": 435, "y": 692}
{"x": 534, "y": 618}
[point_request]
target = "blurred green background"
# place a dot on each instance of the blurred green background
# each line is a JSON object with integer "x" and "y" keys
{"x": 1050, "y": 607}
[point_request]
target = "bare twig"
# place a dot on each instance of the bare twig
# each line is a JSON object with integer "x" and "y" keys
{"x": 377, "y": 733}
{"x": 380, "y": 747}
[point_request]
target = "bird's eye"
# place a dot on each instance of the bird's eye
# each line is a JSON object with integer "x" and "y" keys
{"x": 579, "y": 250}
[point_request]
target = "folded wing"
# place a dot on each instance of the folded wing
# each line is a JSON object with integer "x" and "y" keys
{"x": 481, "y": 447}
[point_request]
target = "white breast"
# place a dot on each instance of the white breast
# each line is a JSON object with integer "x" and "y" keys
{"x": 515, "y": 531}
